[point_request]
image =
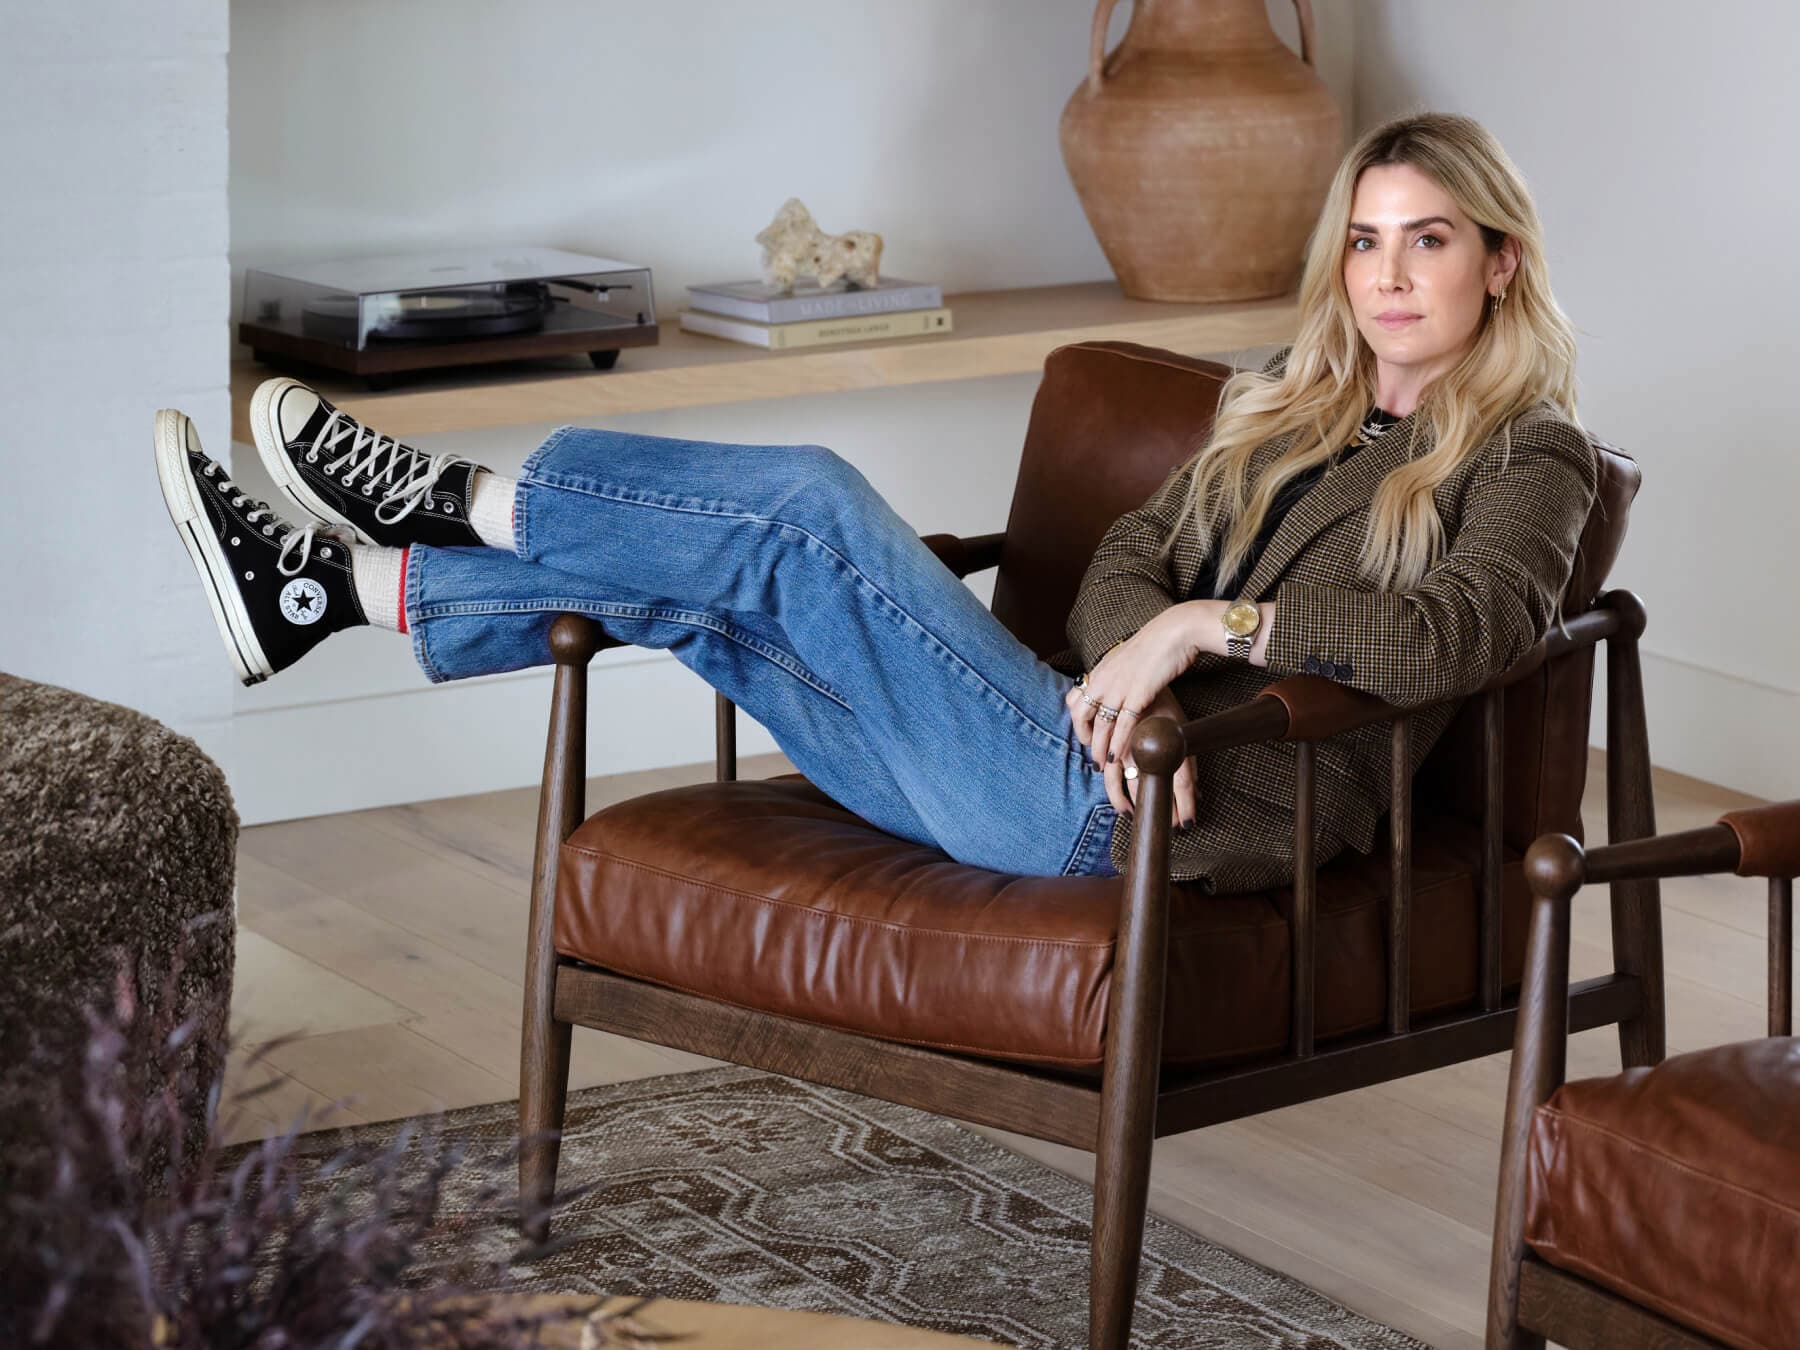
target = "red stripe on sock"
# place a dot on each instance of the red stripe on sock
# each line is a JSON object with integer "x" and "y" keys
{"x": 405, "y": 557}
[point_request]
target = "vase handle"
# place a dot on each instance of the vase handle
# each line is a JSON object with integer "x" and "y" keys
{"x": 1097, "y": 45}
{"x": 1303, "y": 10}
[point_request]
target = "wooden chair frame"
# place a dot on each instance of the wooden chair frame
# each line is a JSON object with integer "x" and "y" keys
{"x": 1530, "y": 1300}
{"x": 1136, "y": 1100}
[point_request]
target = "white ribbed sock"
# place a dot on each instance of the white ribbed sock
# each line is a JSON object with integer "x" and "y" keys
{"x": 491, "y": 509}
{"x": 377, "y": 573}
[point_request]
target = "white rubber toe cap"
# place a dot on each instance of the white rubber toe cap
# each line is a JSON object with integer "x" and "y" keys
{"x": 293, "y": 408}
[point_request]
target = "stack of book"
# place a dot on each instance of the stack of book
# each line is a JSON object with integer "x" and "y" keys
{"x": 811, "y": 316}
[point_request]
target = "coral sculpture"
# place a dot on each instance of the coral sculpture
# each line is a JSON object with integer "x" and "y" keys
{"x": 793, "y": 246}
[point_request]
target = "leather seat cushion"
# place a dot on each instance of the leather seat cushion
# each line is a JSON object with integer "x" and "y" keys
{"x": 769, "y": 895}
{"x": 1678, "y": 1186}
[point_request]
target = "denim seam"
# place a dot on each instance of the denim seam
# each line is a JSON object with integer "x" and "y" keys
{"x": 415, "y": 615}
{"x": 1079, "y": 853}
{"x": 596, "y": 610}
{"x": 1059, "y": 742}
{"x": 521, "y": 498}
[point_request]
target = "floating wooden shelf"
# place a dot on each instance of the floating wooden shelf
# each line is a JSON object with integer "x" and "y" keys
{"x": 997, "y": 333}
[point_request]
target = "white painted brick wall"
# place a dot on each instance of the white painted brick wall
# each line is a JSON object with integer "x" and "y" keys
{"x": 113, "y": 264}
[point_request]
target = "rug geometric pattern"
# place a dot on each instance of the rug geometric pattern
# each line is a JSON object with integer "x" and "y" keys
{"x": 740, "y": 1186}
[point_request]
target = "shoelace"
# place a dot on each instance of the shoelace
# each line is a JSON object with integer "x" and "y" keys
{"x": 407, "y": 474}
{"x": 276, "y": 528}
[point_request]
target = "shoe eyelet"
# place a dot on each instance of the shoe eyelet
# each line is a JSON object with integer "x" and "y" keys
{"x": 235, "y": 541}
{"x": 368, "y": 490}
{"x": 324, "y": 553}
{"x": 249, "y": 576}
{"x": 330, "y": 472}
{"x": 312, "y": 456}
{"x": 449, "y": 508}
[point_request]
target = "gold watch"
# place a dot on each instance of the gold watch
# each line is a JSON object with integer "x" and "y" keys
{"x": 1241, "y": 620}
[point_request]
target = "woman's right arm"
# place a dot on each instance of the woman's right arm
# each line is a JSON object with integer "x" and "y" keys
{"x": 1128, "y": 583}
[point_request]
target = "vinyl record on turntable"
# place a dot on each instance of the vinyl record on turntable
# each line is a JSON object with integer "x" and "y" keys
{"x": 431, "y": 316}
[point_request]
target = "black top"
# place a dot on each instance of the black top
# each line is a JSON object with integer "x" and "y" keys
{"x": 1206, "y": 585}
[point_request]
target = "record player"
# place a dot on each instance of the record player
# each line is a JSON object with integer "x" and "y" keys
{"x": 378, "y": 317}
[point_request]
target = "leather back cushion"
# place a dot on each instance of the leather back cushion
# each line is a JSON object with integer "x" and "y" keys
{"x": 1111, "y": 419}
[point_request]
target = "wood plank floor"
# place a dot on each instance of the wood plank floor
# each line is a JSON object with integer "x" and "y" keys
{"x": 382, "y": 954}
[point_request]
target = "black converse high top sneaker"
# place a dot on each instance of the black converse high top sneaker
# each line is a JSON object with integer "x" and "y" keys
{"x": 276, "y": 591}
{"x": 342, "y": 473}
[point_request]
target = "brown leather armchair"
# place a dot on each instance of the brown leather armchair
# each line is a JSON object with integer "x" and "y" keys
{"x": 760, "y": 922}
{"x": 1659, "y": 1206}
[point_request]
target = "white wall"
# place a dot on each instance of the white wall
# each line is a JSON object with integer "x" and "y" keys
{"x": 114, "y": 276}
{"x": 666, "y": 134}
{"x": 669, "y": 133}
{"x": 1661, "y": 142}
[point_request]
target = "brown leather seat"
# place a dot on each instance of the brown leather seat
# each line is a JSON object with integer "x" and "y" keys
{"x": 772, "y": 897}
{"x": 1678, "y": 1187}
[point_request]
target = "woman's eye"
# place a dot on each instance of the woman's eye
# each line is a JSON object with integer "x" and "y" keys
{"x": 1436, "y": 242}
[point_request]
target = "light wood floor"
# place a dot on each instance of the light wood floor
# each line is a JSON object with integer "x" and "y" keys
{"x": 383, "y": 950}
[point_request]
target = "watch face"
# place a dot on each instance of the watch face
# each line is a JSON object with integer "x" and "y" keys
{"x": 1241, "y": 619}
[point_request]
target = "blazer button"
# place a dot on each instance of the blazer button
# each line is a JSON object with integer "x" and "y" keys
{"x": 1328, "y": 670}
{"x": 1312, "y": 665}
{"x": 1344, "y": 671}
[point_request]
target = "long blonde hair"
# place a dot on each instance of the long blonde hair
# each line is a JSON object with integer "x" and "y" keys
{"x": 1523, "y": 353}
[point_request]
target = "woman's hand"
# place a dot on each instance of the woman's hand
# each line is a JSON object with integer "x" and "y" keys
{"x": 1134, "y": 677}
{"x": 1133, "y": 673}
{"x": 1184, "y": 801}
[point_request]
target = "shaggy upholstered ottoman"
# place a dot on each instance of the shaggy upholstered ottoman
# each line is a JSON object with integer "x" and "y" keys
{"x": 116, "y": 834}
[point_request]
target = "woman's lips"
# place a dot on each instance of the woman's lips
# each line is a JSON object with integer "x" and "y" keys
{"x": 1392, "y": 322}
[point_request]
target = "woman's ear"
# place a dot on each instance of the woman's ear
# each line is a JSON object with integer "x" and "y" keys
{"x": 1505, "y": 263}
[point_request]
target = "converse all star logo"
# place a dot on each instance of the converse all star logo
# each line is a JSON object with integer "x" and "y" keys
{"x": 302, "y": 601}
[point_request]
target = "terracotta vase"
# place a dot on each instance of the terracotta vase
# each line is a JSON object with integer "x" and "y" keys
{"x": 1201, "y": 149}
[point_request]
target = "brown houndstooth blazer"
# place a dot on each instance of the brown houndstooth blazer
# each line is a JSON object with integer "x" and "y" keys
{"x": 1511, "y": 525}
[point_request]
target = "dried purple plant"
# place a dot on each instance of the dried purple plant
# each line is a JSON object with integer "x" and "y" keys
{"x": 232, "y": 1247}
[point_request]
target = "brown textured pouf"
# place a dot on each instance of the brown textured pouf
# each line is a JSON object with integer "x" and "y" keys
{"x": 115, "y": 834}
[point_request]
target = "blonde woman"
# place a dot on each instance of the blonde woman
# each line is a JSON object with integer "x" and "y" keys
{"x": 1393, "y": 502}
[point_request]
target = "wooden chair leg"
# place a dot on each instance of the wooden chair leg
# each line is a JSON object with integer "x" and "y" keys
{"x": 543, "y": 1093}
{"x": 725, "y": 738}
{"x": 544, "y": 1041}
{"x": 1631, "y": 814}
{"x": 1133, "y": 1062}
{"x": 1539, "y": 1062}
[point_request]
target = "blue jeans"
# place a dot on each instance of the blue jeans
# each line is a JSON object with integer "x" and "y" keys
{"x": 785, "y": 581}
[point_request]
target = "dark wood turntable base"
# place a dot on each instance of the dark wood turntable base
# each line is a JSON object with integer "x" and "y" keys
{"x": 379, "y": 365}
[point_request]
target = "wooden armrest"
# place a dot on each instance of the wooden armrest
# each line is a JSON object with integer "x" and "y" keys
{"x": 1757, "y": 841}
{"x": 1318, "y": 707}
{"x": 1556, "y": 865}
{"x": 1259, "y": 719}
{"x": 1768, "y": 839}
{"x": 965, "y": 555}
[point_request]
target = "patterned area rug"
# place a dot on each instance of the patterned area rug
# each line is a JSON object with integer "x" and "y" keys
{"x": 739, "y": 1186}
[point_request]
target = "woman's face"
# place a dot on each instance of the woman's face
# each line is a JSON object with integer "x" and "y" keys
{"x": 1417, "y": 272}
